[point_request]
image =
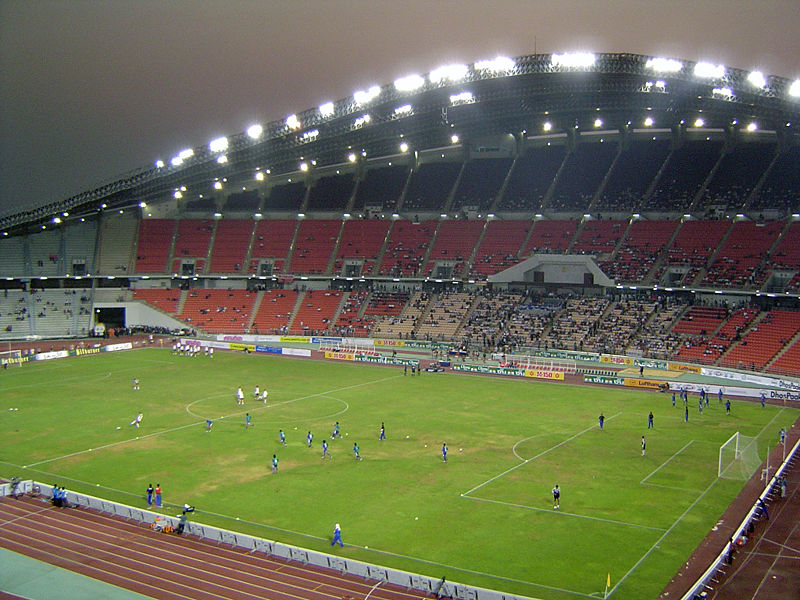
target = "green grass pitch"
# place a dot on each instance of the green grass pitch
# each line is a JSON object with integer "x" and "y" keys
{"x": 485, "y": 517}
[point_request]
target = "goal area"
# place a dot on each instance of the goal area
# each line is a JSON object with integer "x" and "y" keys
{"x": 738, "y": 457}
{"x": 10, "y": 358}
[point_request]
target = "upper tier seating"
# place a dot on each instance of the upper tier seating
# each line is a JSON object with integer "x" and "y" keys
{"x": 15, "y": 317}
{"x": 331, "y": 193}
{"x": 531, "y": 177}
{"x": 231, "y": 242}
{"x": 683, "y": 175}
{"x": 430, "y": 185}
{"x": 285, "y": 196}
{"x": 632, "y": 174}
{"x": 599, "y": 237}
{"x": 155, "y": 239}
{"x": 314, "y": 245}
{"x": 117, "y": 242}
{"x": 480, "y": 183}
{"x": 12, "y": 256}
{"x": 381, "y": 186}
{"x": 316, "y": 311}
{"x": 550, "y": 236}
{"x": 582, "y": 174}
{"x": 787, "y": 255}
{"x": 218, "y": 311}
{"x": 455, "y": 241}
{"x": 45, "y": 253}
{"x": 694, "y": 244}
{"x": 164, "y": 299}
{"x": 193, "y": 238}
{"x": 406, "y": 247}
{"x": 79, "y": 244}
{"x": 736, "y": 263}
{"x": 781, "y": 187}
{"x": 499, "y": 247}
{"x": 272, "y": 239}
{"x": 59, "y": 313}
{"x": 275, "y": 311}
{"x": 704, "y": 350}
{"x": 738, "y": 173}
{"x": 642, "y": 246}
{"x": 763, "y": 341}
{"x": 362, "y": 239}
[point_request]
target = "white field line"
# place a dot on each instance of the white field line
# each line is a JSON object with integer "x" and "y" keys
{"x": 673, "y": 487}
{"x": 566, "y": 514}
{"x": 173, "y": 429}
{"x": 680, "y": 518}
{"x": 507, "y": 471}
{"x": 666, "y": 462}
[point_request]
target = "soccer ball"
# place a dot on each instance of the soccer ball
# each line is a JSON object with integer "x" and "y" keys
{"x": 118, "y": 428}
{"x": 406, "y": 437}
{"x": 460, "y": 449}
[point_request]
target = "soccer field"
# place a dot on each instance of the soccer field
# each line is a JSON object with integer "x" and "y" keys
{"x": 485, "y": 517}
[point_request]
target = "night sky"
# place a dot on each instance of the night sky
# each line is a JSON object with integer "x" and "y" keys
{"x": 91, "y": 90}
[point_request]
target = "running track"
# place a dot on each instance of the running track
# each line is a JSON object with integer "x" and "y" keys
{"x": 169, "y": 567}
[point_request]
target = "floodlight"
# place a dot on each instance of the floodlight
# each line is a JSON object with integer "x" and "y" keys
{"x": 448, "y": 72}
{"x": 751, "y": 127}
{"x": 64, "y": 214}
{"x": 142, "y": 204}
{"x": 255, "y": 131}
{"x": 794, "y": 89}
{"x": 462, "y": 98}
{"x": 56, "y": 220}
{"x": 648, "y": 122}
{"x": 598, "y": 123}
{"x": 757, "y": 79}
{"x": 218, "y": 145}
{"x": 547, "y": 126}
{"x": 326, "y": 110}
{"x": 310, "y": 135}
{"x": 454, "y": 138}
{"x": 363, "y": 97}
{"x": 664, "y": 65}
{"x": 159, "y": 164}
{"x": 409, "y": 83}
{"x": 257, "y": 215}
{"x": 292, "y": 122}
{"x": 362, "y": 120}
{"x": 725, "y": 92}
{"x": 222, "y": 159}
{"x": 495, "y": 65}
{"x": 217, "y": 185}
{"x": 177, "y": 195}
{"x": 217, "y": 215}
{"x": 403, "y": 110}
{"x": 403, "y": 147}
{"x": 184, "y": 154}
{"x": 573, "y": 59}
{"x": 259, "y": 176}
{"x": 176, "y": 161}
{"x": 183, "y": 188}
{"x": 709, "y": 70}
{"x": 304, "y": 166}
{"x": 699, "y": 123}
{"x": 351, "y": 157}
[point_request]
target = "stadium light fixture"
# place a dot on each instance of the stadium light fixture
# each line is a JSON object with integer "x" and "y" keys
{"x": 461, "y": 98}
{"x": 56, "y": 220}
{"x": 499, "y": 64}
{"x": 406, "y": 109}
{"x": 403, "y": 147}
{"x": 176, "y": 161}
{"x": 723, "y": 92}
{"x": 304, "y": 166}
{"x": 159, "y": 164}
{"x": 453, "y": 73}
{"x": 255, "y": 131}
{"x": 362, "y": 120}
{"x": 699, "y": 122}
{"x": 326, "y": 110}
{"x": 292, "y": 122}
{"x": 648, "y": 122}
{"x": 177, "y": 195}
{"x": 218, "y": 145}
{"x": 794, "y": 89}
{"x": 548, "y": 126}
{"x": 573, "y": 60}
{"x": 751, "y": 127}
{"x": 708, "y": 70}
{"x": 362, "y": 97}
{"x": 142, "y": 204}
{"x": 351, "y": 157}
{"x": 409, "y": 83}
{"x": 259, "y": 176}
{"x": 217, "y": 215}
{"x": 757, "y": 79}
{"x": 187, "y": 153}
{"x": 222, "y": 159}
{"x": 664, "y": 65}
{"x": 217, "y": 185}
{"x": 310, "y": 135}
{"x": 257, "y": 215}
{"x": 454, "y": 139}
{"x": 598, "y": 123}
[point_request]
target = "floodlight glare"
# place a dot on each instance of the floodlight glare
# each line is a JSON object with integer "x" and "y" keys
{"x": 218, "y": 145}
{"x": 409, "y": 83}
{"x": 708, "y": 70}
{"x": 255, "y": 131}
{"x": 757, "y": 79}
{"x": 363, "y": 97}
{"x": 448, "y": 72}
{"x": 664, "y": 65}
{"x": 159, "y": 164}
{"x": 751, "y": 127}
{"x": 362, "y": 120}
{"x": 183, "y": 188}
{"x": 292, "y": 122}
{"x": 462, "y": 98}
{"x": 598, "y": 123}
{"x": 326, "y": 110}
{"x": 259, "y": 176}
{"x": 351, "y": 157}
{"x": 142, "y": 204}
{"x": 176, "y": 161}
{"x": 648, "y": 122}
{"x": 699, "y": 123}
{"x": 184, "y": 154}
{"x": 547, "y": 126}
{"x": 499, "y": 64}
{"x": 794, "y": 89}
{"x": 573, "y": 59}
{"x": 222, "y": 159}
{"x": 304, "y": 166}
{"x": 724, "y": 92}
{"x": 454, "y": 138}
{"x": 177, "y": 195}
{"x": 310, "y": 135}
{"x": 56, "y": 220}
{"x": 403, "y": 147}
{"x": 217, "y": 185}
{"x": 406, "y": 109}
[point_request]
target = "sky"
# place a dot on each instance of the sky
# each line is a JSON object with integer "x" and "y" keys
{"x": 90, "y": 90}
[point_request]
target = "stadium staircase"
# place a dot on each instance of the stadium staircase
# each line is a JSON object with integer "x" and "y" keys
{"x": 295, "y": 309}
{"x": 289, "y": 255}
{"x": 598, "y": 194}
{"x": 551, "y": 189}
{"x": 256, "y": 305}
{"x": 713, "y": 257}
{"x": 471, "y": 258}
{"x": 501, "y": 192}
{"x": 381, "y": 252}
{"x": 576, "y": 236}
{"x": 172, "y": 243}
{"x": 181, "y": 302}
{"x": 448, "y": 205}
{"x": 402, "y": 198}
{"x": 335, "y": 250}
{"x": 429, "y": 250}
{"x": 662, "y": 257}
{"x": 756, "y": 191}
{"x": 787, "y": 360}
{"x": 696, "y": 204}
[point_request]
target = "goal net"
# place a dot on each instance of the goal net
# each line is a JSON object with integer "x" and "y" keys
{"x": 10, "y": 358}
{"x": 738, "y": 457}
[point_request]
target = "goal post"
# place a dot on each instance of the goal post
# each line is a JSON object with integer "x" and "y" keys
{"x": 10, "y": 358}
{"x": 738, "y": 457}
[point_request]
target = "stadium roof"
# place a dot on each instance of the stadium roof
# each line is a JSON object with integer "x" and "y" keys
{"x": 522, "y": 96}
